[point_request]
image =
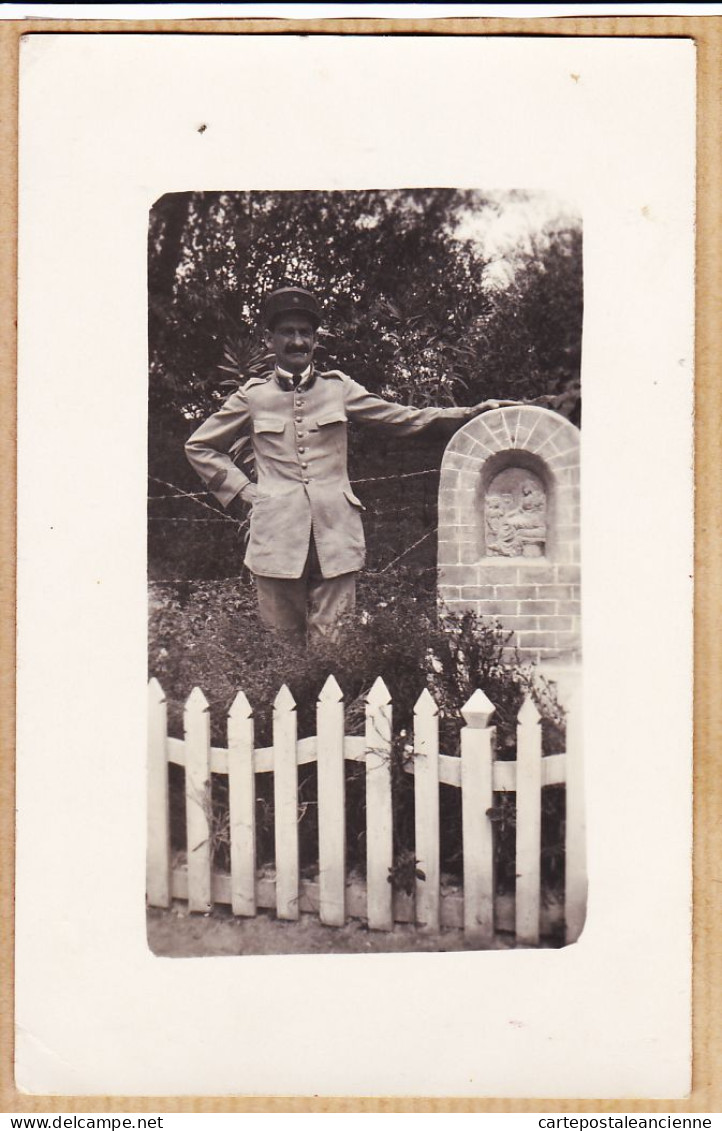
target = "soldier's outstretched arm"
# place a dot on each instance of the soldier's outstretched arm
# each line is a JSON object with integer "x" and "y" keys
{"x": 208, "y": 449}
{"x": 369, "y": 408}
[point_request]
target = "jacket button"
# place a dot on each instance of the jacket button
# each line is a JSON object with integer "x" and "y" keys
{"x": 302, "y": 450}
{"x": 304, "y": 465}
{"x": 299, "y": 420}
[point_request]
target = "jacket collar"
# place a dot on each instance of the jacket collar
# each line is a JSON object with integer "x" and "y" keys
{"x": 287, "y": 383}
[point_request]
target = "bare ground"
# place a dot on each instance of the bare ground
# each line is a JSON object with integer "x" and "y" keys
{"x": 176, "y": 933}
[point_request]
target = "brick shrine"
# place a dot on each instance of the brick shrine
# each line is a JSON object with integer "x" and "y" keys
{"x": 509, "y": 546}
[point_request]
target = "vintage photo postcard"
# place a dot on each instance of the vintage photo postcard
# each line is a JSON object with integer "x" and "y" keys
{"x": 448, "y": 497}
{"x": 355, "y": 553}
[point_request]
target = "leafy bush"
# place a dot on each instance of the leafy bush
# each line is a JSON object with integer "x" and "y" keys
{"x": 210, "y": 635}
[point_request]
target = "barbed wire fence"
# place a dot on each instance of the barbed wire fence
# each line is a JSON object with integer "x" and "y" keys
{"x": 220, "y": 516}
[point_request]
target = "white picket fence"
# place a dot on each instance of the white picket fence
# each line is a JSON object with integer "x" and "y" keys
{"x": 334, "y": 896}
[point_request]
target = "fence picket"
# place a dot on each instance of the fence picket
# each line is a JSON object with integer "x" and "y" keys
{"x": 575, "y": 890}
{"x": 197, "y": 730}
{"x": 475, "y": 772}
{"x": 285, "y": 796}
{"x": 528, "y": 822}
{"x": 379, "y": 831}
{"x": 331, "y": 805}
{"x": 477, "y": 798}
{"x": 426, "y": 806}
{"x": 242, "y": 806}
{"x": 158, "y": 816}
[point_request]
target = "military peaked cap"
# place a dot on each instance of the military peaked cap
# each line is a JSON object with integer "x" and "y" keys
{"x": 291, "y": 300}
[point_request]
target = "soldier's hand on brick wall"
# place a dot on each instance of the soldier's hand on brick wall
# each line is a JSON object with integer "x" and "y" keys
{"x": 487, "y": 406}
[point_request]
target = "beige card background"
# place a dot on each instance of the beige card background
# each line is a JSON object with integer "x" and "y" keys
{"x": 662, "y": 967}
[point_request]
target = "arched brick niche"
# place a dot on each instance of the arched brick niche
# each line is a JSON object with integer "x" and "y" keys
{"x": 509, "y": 527}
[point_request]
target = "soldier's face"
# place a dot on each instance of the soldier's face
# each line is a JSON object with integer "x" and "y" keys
{"x": 292, "y": 339}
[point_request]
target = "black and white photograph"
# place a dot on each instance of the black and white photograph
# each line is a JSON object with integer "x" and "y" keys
{"x": 360, "y": 628}
{"x": 354, "y": 743}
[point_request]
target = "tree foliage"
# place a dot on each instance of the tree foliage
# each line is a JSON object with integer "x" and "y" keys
{"x": 413, "y": 308}
{"x": 408, "y": 308}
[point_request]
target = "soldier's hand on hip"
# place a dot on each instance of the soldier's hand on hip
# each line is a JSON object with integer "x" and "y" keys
{"x": 249, "y": 494}
{"x": 238, "y": 506}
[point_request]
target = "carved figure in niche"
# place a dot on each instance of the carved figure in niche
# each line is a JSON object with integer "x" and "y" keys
{"x": 516, "y": 526}
{"x": 495, "y": 511}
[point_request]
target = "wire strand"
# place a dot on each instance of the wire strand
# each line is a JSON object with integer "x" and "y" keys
{"x": 193, "y": 497}
{"x": 409, "y": 549}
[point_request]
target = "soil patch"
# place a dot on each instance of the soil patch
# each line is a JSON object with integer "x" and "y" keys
{"x": 176, "y": 933}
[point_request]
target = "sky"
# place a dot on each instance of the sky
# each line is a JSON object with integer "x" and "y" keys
{"x": 519, "y": 220}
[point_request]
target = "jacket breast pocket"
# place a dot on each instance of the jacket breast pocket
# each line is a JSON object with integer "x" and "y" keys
{"x": 269, "y": 424}
{"x": 337, "y": 417}
{"x": 331, "y": 431}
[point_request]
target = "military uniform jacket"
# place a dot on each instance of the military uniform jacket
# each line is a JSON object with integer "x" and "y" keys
{"x": 299, "y": 442}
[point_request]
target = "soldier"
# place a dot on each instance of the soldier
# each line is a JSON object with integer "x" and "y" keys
{"x": 306, "y": 541}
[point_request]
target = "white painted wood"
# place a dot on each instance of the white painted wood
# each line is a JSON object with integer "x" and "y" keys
{"x": 354, "y": 748}
{"x": 158, "y": 815}
{"x": 176, "y": 751}
{"x": 503, "y": 777}
{"x": 449, "y": 770}
{"x": 528, "y": 823}
{"x": 379, "y": 830}
{"x": 554, "y": 769}
{"x": 285, "y": 795}
{"x": 476, "y": 772}
{"x": 242, "y": 806}
{"x": 331, "y": 805}
{"x": 575, "y": 892}
{"x": 478, "y": 710}
{"x": 426, "y": 811}
{"x": 451, "y": 902}
{"x": 177, "y": 755}
{"x": 197, "y": 730}
{"x": 504, "y": 773}
{"x": 477, "y": 753}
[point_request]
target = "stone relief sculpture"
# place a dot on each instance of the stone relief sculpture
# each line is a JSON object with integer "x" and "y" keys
{"x": 505, "y": 511}
{"x": 516, "y": 520}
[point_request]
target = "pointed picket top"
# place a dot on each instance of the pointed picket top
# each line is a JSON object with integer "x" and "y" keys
{"x": 284, "y": 701}
{"x": 528, "y": 713}
{"x": 240, "y": 708}
{"x": 156, "y": 694}
{"x": 196, "y": 701}
{"x": 425, "y": 706}
{"x": 379, "y": 695}
{"x": 331, "y": 692}
{"x": 478, "y": 710}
